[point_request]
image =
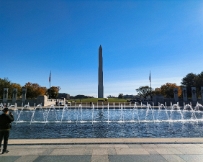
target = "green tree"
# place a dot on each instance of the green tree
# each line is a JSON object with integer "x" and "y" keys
{"x": 199, "y": 83}
{"x": 53, "y": 92}
{"x": 190, "y": 80}
{"x": 144, "y": 91}
{"x": 120, "y": 95}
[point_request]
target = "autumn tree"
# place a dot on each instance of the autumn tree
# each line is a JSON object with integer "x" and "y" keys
{"x": 18, "y": 87}
{"x": 167, "y": 90}
{"x": 157, "y": 91}
{"x": 144, "y": 91}
{"x": 6, "y": 83}
{"x": 34, "y": 90}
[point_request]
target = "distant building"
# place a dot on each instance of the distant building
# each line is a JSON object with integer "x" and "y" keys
{"x": 63, "y": 95}
{"x": 128, "y": 96}
{"x": 110, "y": 96}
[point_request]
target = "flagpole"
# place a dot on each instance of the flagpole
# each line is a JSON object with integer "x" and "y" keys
{"x": 150, "y": 81}
{"x": 50, "y": 80}
{"x": 150, "y": 84}
{"x": 49, "y": 84}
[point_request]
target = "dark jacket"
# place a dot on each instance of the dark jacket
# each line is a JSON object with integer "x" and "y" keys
{"x": 5, "y": 121}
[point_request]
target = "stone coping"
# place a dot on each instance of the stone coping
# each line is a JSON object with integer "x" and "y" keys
{"x": 84, "y": 107}
{"x": 106, "y": 141}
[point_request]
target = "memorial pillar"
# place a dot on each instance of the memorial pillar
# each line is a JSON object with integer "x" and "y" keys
{"x": 194, "y": 95}
{"x": 24, "y": 91}
{"x": 5, "y": 95}
{"x": 184, "y": 94}
{"x": 202, "y": 93}
{"x": 175, "y": 92}
{"x": 14, "y": 97}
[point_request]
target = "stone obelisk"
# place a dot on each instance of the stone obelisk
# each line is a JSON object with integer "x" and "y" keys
{"x": 100, "y": 75}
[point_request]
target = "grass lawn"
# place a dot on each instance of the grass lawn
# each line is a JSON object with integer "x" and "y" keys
{"x": 96, "y": 100}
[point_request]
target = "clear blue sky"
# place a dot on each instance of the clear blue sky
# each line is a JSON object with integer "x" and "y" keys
{"x": 63, "y": 36}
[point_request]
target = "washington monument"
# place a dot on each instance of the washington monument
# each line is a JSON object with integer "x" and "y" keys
{"x": 100, "y": 75}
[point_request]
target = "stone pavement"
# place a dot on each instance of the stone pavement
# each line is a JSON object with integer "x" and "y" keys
{"x": 104, "y": 153}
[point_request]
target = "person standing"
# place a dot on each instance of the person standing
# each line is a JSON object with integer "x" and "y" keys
{"x": 5, "y": 125}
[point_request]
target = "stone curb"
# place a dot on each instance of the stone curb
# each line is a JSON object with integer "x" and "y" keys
{"x": 106, "y": 141}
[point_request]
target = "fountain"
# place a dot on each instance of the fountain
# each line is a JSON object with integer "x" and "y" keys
{"x": 108, "y": 121}
{"x": 1, "y": 106}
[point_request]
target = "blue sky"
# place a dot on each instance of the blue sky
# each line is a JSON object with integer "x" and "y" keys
{"x": 63, "y": 36}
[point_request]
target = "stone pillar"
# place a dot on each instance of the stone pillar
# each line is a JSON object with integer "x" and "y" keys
{"x": 175, "y": 92}
{"x": 24, "y": 91}
{"x": 194, "y": 95}
{"x": 42, "y": 100}
{"x": 14, "y": 97}
{"x": 202, "y": 93}
{"x": 184, "y": 94}
{"x": 5, "y": 95}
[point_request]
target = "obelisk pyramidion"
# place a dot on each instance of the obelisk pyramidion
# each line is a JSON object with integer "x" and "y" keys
{"x": 100, "y": 75}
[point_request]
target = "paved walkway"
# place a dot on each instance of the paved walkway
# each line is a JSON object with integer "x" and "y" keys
{"x": 79, "y": 150}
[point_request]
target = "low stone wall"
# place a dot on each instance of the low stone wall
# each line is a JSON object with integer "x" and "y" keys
{"x": 43, "y": 100}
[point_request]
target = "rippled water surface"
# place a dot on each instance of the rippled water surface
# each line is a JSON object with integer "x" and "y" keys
{"x": 106, "y": 123}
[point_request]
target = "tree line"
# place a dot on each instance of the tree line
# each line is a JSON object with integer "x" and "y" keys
{"x": 80, "y": 97}
{"x": 33, "y": 89}
{"x": 190, "y": 80}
